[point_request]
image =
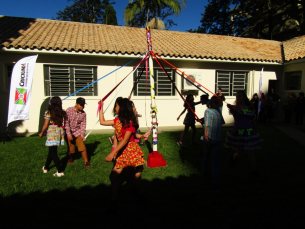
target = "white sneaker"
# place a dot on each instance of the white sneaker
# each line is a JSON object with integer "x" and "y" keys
{"x": 44, "y": 170}
{"x": 57, "y": 174}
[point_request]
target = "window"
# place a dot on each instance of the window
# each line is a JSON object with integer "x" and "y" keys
{"x": 231, "y": 82}
{"x": 293, "y": 80}
{"x": 65, "y": 80}
{"x": 163, "y": 86}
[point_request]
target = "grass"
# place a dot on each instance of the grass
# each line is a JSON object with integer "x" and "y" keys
{"x": 176, "y": 195}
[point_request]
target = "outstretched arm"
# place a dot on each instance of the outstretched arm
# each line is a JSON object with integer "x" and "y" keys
{"x": 181, "y": 113}
{"x": 145, "y": 136}
{"x": 102, "y": 118}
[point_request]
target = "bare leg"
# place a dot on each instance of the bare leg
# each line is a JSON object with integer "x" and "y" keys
{"x": 186, "y": 128}
{"x": 236, "y": 155}
{"x": 194, "y": 132}
{"x": 137, "y": 176}
{"x": 114, "y": 178}
{"x": 233, "y": 159}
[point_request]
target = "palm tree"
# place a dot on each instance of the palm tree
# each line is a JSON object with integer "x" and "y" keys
{"x": 139, "y": 12}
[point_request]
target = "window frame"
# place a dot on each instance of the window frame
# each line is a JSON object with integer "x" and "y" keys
{"x": 289, "y": 74}
{"x": 73, "y": 73}
{"x": 234, "y": 76}
{"x": 159, "y": 74}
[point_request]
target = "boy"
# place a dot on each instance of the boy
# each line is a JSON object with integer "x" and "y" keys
{"x": 75, "y": 125}
{"x": 212, "y": 139}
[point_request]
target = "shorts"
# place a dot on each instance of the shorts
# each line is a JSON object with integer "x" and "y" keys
{"x": 79, "y": 142}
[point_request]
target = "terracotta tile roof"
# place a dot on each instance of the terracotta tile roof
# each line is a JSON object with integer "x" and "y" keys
{"x": 294, "y": 48}
{"x": 41, "y": 34}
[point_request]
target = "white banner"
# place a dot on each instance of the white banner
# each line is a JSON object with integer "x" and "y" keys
{"x": 260, "y": 91}
{"x": 20, "y": 90}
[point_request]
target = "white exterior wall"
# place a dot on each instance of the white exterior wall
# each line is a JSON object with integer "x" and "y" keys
{"x": 168, "y": 107}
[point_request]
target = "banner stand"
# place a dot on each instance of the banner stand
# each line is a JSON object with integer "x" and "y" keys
{"x": 7, "y": 136}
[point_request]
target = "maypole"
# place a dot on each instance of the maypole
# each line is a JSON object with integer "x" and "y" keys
{"x": 155, "y": 159}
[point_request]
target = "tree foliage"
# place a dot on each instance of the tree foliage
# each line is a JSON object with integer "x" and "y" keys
{"x": 267, "y": 19}
{"x": 138, "y": 12}
{"x": 217, "y": 23}
{"x": 271, "y": 19}
{"x": 110, "y": 15}
{"x": 90, "y": 11}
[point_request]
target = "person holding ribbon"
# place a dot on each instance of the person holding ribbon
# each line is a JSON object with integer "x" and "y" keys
{"x": 243, "y": 137}
{"x": 189, "y": 120}
{"x": 127, "y": 154}
{"x": 54, "y": 118}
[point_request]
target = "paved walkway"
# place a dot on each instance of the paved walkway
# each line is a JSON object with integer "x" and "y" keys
{"x": 292, "y": 130}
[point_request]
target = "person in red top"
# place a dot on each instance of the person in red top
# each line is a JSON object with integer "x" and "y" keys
{"x": 127, "y": 154}
{"x": 75, "y": 126}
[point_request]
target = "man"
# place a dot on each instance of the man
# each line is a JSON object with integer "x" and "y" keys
{"x": 299, "y": 108}
{"x": 288, "y": 104}
{"x": 212, "y": 139}
{"x": 222, "y": 97}
{"x": 75, "y": 125}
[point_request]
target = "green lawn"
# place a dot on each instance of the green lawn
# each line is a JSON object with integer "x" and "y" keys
{"x": 176, "y": 195}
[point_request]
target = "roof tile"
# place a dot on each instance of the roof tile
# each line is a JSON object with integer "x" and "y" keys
{"x": 85, "y": 37}
{"x": 294, "y": 48}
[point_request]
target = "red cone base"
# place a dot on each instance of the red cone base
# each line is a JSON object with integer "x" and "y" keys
{"x": 155, "y": 159}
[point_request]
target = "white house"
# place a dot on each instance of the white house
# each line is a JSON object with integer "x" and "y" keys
{"x": 72, "y": 55}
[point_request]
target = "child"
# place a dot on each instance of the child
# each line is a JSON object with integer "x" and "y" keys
{"x": 75, "y": 125}
{"x": 137, "y": 117}
{"x": 212, "y": 138}
{"x": 127, "y": 154}
{"x": 54, "y": 118}
{"x": 189, "y": 120}
{"x": 112, "y": 138}
{"x": 243, "y": 138}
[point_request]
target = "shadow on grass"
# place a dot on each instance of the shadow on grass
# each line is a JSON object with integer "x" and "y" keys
{"x": 186, "y": 201}
{"x": 90, "y": 147}
{"x": 274, "y": 200}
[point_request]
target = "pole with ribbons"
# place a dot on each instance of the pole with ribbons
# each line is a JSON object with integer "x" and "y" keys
{"x": 155, "y": 159}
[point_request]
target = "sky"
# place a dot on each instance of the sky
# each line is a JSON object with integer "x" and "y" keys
{"x": 189, "y": 18}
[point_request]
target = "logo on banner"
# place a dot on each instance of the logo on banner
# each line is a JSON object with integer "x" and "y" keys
{"x": 20, "y": 96}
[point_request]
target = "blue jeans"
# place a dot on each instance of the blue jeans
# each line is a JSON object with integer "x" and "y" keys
{"x": 211, "y": 147}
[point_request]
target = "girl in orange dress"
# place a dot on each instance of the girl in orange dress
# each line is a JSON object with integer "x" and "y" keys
{"x": 127, "y": 154}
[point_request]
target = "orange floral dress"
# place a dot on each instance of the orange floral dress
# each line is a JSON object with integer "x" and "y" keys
{"x": 131, "y": 154}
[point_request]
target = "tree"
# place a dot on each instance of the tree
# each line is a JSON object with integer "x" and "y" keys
{"x": 90, "y": 11}
{"x": 273, "y": 19}
{"x": 217, "y": 18}
{"x": 267, "y": 19}
{"x": 110, "y": 16}
{"x": 139, "y": 12}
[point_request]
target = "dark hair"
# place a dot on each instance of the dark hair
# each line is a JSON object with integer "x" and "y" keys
{"x": 204, "y": 97}
{"x": 219, "y": 89}
{"x": 301, "y": 94}
{"x": 255, "y": 94}
{"x": 214, "y": 102}
{"x": 187, "y": 100}
{"x": 126, "y": 114}
{"x": 56, "y": 112}
{"x": 247, "y": 101}
{"x": 116, "y": 101}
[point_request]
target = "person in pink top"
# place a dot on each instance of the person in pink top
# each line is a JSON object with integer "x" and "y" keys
{"x": 75, "y": 126}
